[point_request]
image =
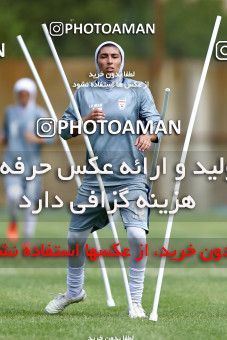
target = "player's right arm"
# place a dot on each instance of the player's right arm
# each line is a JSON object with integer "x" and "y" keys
{"x": 4, "y": 131}
{"x": 69, "y": 115}
{"x": 2, "y": 138}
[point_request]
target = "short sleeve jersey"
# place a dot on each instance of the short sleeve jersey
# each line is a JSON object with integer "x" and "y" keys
{"x": 132, "y": 101}
{"x": 18, "y": 121}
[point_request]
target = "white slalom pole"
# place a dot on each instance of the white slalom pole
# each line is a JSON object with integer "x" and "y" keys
{"x": 110, "y": 301}
{"x": 154, "y": 313}
{"x": 91, "y": 154}
{"x": 157, "y": 146}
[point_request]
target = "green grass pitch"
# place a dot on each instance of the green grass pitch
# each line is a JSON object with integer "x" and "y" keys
{"x": 193, "y": 302}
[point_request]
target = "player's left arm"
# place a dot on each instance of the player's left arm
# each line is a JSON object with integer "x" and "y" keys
{"x": 147, "y": 111}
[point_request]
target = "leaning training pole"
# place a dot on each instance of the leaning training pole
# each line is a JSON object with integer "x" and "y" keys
{"x": 110, "y": 301}
{"x": 157, "y": 146}
{"x": 91, "y": 154}
{"x": 154, "y": 313}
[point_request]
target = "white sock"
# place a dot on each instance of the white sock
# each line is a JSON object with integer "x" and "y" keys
{"x": 30, "y": 221}
{"x": 136, "y": 237}
{"x": 75, "y": 281}
{"x": 75, "y": 272}
{"x": 136, "y": 284}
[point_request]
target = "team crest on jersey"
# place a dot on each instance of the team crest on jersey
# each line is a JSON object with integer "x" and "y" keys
{"x": 121, "y": 104}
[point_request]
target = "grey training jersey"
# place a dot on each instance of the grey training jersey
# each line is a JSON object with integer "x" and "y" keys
{"x": 18, "y": 121}
{"x": 122, "y": 104}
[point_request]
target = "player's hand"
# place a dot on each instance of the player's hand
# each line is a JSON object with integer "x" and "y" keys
{"x": 33, "y": 139}
{"x": 143, "y": 142}
{"x": 96, "y": 114}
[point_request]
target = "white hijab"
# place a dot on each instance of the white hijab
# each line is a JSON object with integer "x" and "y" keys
{"x": 26, "y": 84}
{"x": 121, "y": 52}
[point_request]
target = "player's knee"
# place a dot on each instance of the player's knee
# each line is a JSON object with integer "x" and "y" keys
{"x": 14, "y": 193}
{"x": 76, "y": 237}
{"x": 136, "y": 235}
